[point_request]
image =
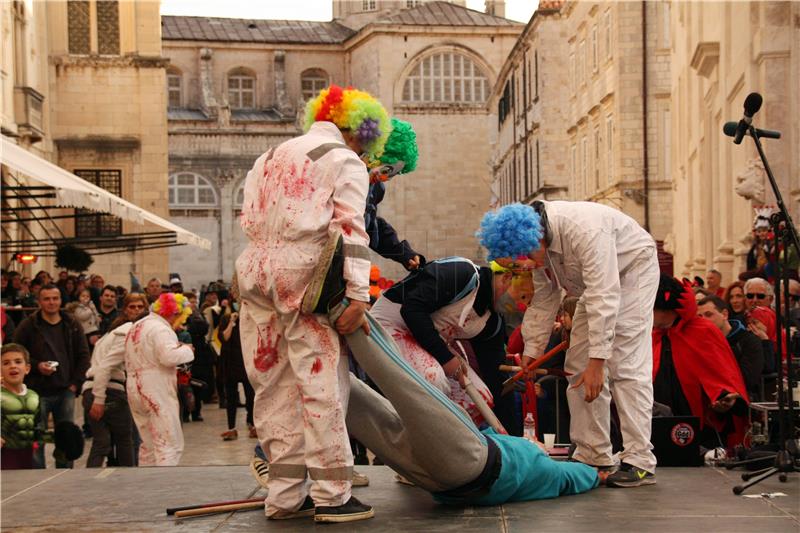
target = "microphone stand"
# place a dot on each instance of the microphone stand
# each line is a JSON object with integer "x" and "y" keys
{"x": 786, "y": 237}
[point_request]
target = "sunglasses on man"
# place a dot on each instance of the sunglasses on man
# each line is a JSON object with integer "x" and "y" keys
{"x": 751, "y": 295}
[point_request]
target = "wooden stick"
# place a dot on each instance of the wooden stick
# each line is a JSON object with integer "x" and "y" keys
{"x": 508, "y": 384}
{"x": 220, "y": 509}
{"x": 173, "y": 510}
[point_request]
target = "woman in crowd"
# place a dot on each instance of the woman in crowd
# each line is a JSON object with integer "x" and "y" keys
{"x": 234, "y": 373}
{"x": 734, "y": 297}
{"x": 105, "y": 402}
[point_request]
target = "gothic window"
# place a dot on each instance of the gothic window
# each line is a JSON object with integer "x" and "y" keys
{"x": 369, "y": 5}
{"x": 595, "y": 52}
{"x": 607, "y": 22}
{"x": 89, "y": 223}
{"x": 238, "y": 199}
{"x": 189, "y": 190}
{"x": 108, "y": 27}
{"x": 174, "y": 87}
{"x": 446, "y": 78}
{"x": 78, "y": 26}
{"x": 241, "y": 89}
{"x": 312, "y": 81}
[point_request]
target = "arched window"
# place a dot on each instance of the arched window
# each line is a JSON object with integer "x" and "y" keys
{"x": 190, "y": 190}
{"x": 174, "y": 88}
{"x": 238, "y": 198}
{"x": 313, "y": 81}
{"x": 446, "y": 78}
{"x": 241, "y": 89}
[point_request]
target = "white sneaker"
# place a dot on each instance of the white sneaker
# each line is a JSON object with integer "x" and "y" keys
{"x": 359, "y": 479}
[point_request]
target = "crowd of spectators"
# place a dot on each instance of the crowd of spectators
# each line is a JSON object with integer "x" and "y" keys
{"x": 65, "y": 327}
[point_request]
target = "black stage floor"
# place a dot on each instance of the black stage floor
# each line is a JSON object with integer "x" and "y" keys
{"x": 119, "y": 499}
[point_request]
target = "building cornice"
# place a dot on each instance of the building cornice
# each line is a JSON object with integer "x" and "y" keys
{"x": 99, "y": 62}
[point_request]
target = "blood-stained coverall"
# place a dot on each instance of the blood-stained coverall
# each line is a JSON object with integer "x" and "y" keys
{"x": 294, "y": 197}
{"x": 608, "y": 260}
{"x": 152, "y": 351}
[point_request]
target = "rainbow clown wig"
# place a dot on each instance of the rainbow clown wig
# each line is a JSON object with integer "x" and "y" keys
{"x": 353, "y": 110}
{"x": 514, "y": 230}
{"x": 170, "y": 304}
{"x": 401, "y": 146}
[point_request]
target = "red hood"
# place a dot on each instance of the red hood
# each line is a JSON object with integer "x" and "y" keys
{"x": 688, "y": 308}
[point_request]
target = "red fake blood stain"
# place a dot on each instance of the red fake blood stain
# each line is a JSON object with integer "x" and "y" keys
{"x": 347, "y": 230}
{"x": 266, "y": 353}
{"x": 317, "y": 366}
{"x": 298, "y": 185}
{"x": 136, "y": 333}
{"x": 154, "y": 407}
{"x": 321, "y": 335}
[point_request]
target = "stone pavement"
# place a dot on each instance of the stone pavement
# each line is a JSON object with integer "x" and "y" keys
{"x": 135, "y": 499}
{"x": 119, "y": 499}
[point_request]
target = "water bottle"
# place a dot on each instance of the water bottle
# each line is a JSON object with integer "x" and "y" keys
{"x": 529, "y": 425}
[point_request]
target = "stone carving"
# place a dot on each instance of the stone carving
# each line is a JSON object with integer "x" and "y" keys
{"x": 279, "y": 70}
{"x": 750, "y": 182}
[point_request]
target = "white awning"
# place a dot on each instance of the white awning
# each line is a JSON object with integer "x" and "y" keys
{"x": 72, "y": 191}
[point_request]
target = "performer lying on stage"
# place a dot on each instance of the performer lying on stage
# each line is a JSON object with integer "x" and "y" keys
{"x": 429, "y": 440}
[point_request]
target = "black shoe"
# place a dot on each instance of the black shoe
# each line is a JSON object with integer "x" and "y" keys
{"x": 610, "y": 469}
{"x": 197, "y": 418}
{"x": 349, "y": 512}
{"x": 307, "y": 509}
{"x": 360, "y": 460}
{"x": 630, "y": 476}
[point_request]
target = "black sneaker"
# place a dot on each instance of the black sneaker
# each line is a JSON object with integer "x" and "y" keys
{"x": 349, "y": 512}
{"x": 630, "y": 476}
{"x": 307, "y": 509}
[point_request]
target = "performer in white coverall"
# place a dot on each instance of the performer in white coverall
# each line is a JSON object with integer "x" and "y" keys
{"x": 604, "y": 257}
{"x": 296, "y": 197}
{"x": 152, "y": 353}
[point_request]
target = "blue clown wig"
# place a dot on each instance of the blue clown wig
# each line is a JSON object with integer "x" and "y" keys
{"x": 513, "y": 230}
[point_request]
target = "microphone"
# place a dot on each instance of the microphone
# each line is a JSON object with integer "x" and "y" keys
{"x": 751, "y": 106}
{"x": 730, "y": 129}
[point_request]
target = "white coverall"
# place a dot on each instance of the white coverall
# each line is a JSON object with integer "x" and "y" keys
{"x": 456, "y": 321}
{"x": 152, "y": 351}
{"x": 610, "y": 262}
{"x": 293, "y": 198}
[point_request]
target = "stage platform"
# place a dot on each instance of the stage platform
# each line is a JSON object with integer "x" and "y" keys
{"x": 131, "y": 499}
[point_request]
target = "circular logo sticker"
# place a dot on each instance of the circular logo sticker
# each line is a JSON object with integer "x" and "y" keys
{"x": 682, "y": 434}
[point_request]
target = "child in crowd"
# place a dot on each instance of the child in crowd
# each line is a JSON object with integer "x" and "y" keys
{"x": 20, "y": 409}
{"x": 85, "y": 312}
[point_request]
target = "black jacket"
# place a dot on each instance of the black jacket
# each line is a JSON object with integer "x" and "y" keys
{"x": 747, "y": 349}
{"x": 72, "y": 365}
{"x": 382, "y": 236}
{"x": 435, "y": 286}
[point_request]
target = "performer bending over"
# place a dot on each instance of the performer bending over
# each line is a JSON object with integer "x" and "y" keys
{"x": 296, "y": 197}
{"x": 448, "y": 300}
{"x": 429, "y": 440}
{"x": 603, "y": 256}
{"x": 152, "y": 352}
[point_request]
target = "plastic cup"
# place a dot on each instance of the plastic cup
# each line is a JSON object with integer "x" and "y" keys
{"x": 549, "y": 440}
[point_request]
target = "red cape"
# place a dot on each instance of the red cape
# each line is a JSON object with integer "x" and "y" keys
{"x": 704, "y": 363}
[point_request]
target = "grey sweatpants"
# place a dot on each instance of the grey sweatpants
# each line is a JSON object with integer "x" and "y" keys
{"x": 415, "y": 429}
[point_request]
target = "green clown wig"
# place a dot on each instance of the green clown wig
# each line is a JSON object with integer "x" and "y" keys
{"x": 401, "y": 146}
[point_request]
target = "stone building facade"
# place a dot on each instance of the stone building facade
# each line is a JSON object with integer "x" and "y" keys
{"x": 237, "y": 87}
{"x": 83, "y": 87}
{"x": 721, "y": 52}
{"x": 575, "y": 87}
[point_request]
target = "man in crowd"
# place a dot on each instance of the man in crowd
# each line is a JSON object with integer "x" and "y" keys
{"x": 714, "y": 283}
{"x": 745, "y": 345}
{"x": 694, "y": 370}
{"x": 295, "y": 197}
{"x": 604, "y": 257}
{"x": 59, "y": 360}
{"x": 176, "y": 285}
{"x": 153, "y": 290}
{"x": 107, "y": 311}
